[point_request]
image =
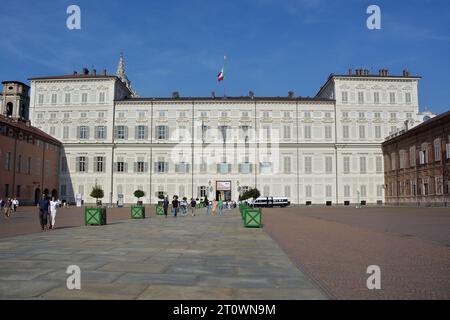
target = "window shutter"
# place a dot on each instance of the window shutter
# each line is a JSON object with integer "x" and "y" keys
{"x": 145, "y": 166}
{"x": 250, "y": 166}
{"x": 136, "y": 132}
{"x": 115, "y": 132}
{"x": 88, "y": 129}
{"x": 187, "y": 167}
{"x": 135, "y": 167}
{"x": 167, "y": 133}
{"x": 78, "y": 133}
{"x": 86, "y": 166}
{"x": 166, "y": 167}
{"x": 145, "y": 132}
{"x": 77, "y": 162}
{"x": 125, "y": 130}
{"x": 218, "y": 168}
{"x": 229, "y": 167}
{"x": 155, "y": 167}
{"x": 125, "y": 167}
{"x": 177, "y": 168}
{"x": 156, "y": 132}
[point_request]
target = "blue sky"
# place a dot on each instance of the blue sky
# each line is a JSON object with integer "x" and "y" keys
{"x": 272, "y": 46}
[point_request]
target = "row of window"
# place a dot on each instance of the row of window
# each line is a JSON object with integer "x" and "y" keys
{"x": 162, "y": 166}
{"x": 68, "y": 98}
{"x": 162, "y": 132}
{"x": 420, "y": 187}
{"x": 427, "y": 153}
{"x": 24, "y": 165}
{"x": 376, "y": 97}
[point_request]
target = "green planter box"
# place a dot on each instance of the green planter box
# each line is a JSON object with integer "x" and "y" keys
{"x": 252, "y": 218}
{"x": 200, "y": 205}
{"x": 137, "y": 212}
{"x": 159, "y": 210}
{"x": 94, "y": 216}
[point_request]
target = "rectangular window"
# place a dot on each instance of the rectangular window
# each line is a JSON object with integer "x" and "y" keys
{"x": 362, "y": 132}
{"x": 378, "y": 132}
{"x": 307, "y": 132}
{"x": 363, "y": 191}
{"x": 328, "y": 165}
{"x": 379, "y": 190}
{"x": 328, "y": 191}
{"x": 346, "y": 191}
{"x": 346, "y": 164}
{"x": 84, "y": 97}
{"x": 141, "y": 132}
{"x": 439, "y": 185}
{"x": 287, "y": 165}
{"x": 308, "y": 191}
{"x": 328, "y": 132}
{"x": 46, "y": 168}
{"x": 64, "y": 165}
{"x": 63, "y": 190}
{"x": 121, "y": 166}
{"x": 287, "y": 132}
{"x": 30, "y": 165}
{"x": 8, "y": 161}
{"x": 140, "y": 166}
{"x": 67, "y": 98}
{"x": 360, "y": 97}
{"x": 121, "y": 132}
{"x": 65, "y": 132}
{"x": 100, "y": 132}
{"x": 54, "y": 98}
{"x": 52, "y": 131}
{"x": 161, "y": 166}
{"x": 82, "y": 164}
{"x": 437, "y": 150}
{"x": 393, "y": 116}
{"x": 99, "y": 164}
{"x": 376, "y": 97}
{"x": 83, "y": 132}
{"x": 161, "y": 132}
{"x": 308, "y": 164}
{"x": 362, "y": 165}
{"x": 412, "y": 156}
{"x": 101, "y": 97}
{"x": 345, "y": 115}
{"x": 379, "y": 164}
{"x": 307, "y": 115}
{"x": 361, "y": 115}
{"x": 40, "y": 99}
{"x": 408, "y": 97}
{"x": 345, "y": 132}
{"x": 19, "y": 163}
{"x": 392, "y": 97}
{"x": 344, "y": 96}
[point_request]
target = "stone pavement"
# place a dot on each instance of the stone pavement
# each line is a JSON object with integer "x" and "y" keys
{"x": 200, "y": 257}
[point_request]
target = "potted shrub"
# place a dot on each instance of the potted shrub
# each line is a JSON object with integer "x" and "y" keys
{"x": 159, "y": 206}
{"x": 138, "y": 211}
{"x": 95, "y": 215}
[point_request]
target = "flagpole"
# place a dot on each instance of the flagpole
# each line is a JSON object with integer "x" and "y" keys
{"x": 224, "y": 70}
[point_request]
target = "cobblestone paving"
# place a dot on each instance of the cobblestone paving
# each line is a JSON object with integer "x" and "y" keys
{"x": 336, "y": 245}
{"x": 200, "y": 257}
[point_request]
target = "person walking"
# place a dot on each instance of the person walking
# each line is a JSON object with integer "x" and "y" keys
{"x": 15, "y": 204}
{"x": 184, "y": 206}
{"x": 220, "y": 207}
{"x": 193, "y": 204}
{"x": 175, "y": 206}
{"x": 214, "y": 206}
{"x": 166, "y": 205}
{"x": 7, "y": 208}
{"x": 53, "y": 209}
{"x": 43, "y": 206}
{"x": 207, "y": 206}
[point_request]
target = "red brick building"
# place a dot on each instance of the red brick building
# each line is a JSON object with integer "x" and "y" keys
{"x": 28, "y": 156}
{"x": 417, "y": 164}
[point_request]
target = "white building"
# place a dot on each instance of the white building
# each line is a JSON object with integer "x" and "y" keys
{"x": 312, "y": 150}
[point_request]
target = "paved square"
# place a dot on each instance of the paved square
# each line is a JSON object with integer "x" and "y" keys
{"x": 201, "y": 257}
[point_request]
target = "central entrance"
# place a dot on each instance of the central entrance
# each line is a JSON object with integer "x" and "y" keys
{"x": 223, "y": 190}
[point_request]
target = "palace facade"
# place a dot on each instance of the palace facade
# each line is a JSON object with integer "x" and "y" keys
{"x": 320, "y": 150}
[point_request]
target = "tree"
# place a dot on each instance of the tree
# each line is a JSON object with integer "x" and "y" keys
{"x": 97, "y": 192}
{"x": 139, "y": 194}
{"x": 252, "y": 193}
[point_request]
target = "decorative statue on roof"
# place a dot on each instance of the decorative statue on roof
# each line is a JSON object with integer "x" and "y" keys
{"x": 120, "y": 73}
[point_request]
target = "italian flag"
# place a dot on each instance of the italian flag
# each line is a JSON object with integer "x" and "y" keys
{"x": 220, "y": 76}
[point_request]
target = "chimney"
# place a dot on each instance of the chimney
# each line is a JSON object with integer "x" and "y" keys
{"x": 213, "y": 95}
{"x": 75, "y": 73}
{"x": 251, "y": 94}
{"x": 85, "y": 71}
{"x": 290, "y": 94}
{"x": 405, "y": 73}
{"x": 380, "y": 72}
{"x": 94, "y": 72}
{"x": 175, "y": 95}
{"x": 104, "y": 72}
{"x": 366, "y": 72}
{"x": 350, "y": 72}
{"x": 386, "y": 72}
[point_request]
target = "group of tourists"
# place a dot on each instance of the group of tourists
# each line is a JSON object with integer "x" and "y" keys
{"x": 211, "y": 207}
{"x": 47, "y": 211}
{"x": 9, "y": 206}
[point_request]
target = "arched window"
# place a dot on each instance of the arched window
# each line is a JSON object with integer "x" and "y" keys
{"x": 9, "y": 109}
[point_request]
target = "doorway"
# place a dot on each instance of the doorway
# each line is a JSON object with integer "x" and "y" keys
{"x": 37, "y": 195}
